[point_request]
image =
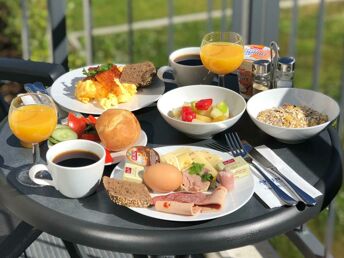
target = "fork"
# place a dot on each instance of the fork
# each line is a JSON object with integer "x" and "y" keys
{"x": 236, "y": 149}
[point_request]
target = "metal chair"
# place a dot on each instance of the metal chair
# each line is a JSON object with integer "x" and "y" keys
{"x": 16, "y": 235}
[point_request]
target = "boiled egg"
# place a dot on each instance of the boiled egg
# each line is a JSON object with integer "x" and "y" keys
{"x": 162, "y": 178}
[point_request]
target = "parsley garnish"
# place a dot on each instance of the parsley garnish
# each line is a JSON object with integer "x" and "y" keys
{"x": 196, "y": 168}
{"x": 93, "y": 71}
{"x": 207, "y": 177}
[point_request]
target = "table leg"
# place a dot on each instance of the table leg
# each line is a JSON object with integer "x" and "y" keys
{"x": 330, "y": 228}
{"x": 19, "y": 239}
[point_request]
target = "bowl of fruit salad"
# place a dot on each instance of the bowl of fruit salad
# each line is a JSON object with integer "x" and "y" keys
{"x": 201, "y": 111}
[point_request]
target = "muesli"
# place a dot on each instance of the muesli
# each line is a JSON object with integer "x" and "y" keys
{"x": 292, "y": 116}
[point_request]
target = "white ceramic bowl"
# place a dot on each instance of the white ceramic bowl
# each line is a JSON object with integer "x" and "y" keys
{"x": 276, "y": 97}
{"x": 176, "y": 98}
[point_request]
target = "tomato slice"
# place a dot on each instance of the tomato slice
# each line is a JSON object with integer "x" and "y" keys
{"x": 204, "y": 104}
{"x": 90, "y": 136}
{"x": 108, "y": 157}
{"x": 77, "y": 124}
{"x": 187, "y": 114}
{"x": 91, "y": 119}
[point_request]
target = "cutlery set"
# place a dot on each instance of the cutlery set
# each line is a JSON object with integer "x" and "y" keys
{"x": 264, "y": 167}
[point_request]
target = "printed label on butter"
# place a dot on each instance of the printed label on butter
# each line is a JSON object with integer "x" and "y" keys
{"x": 133, "y": 172}
{"x": 237, "y": 166}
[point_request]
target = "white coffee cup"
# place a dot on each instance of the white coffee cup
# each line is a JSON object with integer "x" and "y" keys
{"x": 186, "y": 74}
{"x": 73, "y": 182}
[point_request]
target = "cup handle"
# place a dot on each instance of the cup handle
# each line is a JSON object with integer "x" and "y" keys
{"x": 37, "y": 168}
{"x": 165, "y": 69}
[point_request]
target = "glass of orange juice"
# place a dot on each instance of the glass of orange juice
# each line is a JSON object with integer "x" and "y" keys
{"x": 222, "y": 52}
{"x": 32, "y": 118}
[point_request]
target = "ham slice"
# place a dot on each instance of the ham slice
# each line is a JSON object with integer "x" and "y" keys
{"x": 194, "y": 183}
{"x": 183, "y": 203}
{"x": 226, "y": 179}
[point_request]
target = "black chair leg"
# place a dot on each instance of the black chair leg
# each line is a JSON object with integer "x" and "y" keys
{"x": 73, "y": 250}
{"x": 19, "y": 240}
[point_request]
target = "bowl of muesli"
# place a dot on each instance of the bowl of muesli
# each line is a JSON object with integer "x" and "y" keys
{"x": 292, "y": 115}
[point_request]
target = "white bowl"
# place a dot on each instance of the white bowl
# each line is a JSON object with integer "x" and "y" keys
{"x": 276, "y": 97}
{"x": 177, "y": 97}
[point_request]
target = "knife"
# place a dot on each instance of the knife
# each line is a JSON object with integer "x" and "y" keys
{"x": 265, "y": 163}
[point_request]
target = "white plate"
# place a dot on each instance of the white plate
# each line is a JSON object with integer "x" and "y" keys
{"x": 62, "y": 91}
{"x": 120, "y": 155}
{"x": 242, "y": 193}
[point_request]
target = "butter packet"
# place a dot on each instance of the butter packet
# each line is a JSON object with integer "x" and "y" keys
{"x": 133, "y": 172}
{"x": 237, "y": 166}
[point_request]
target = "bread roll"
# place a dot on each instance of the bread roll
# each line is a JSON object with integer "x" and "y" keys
{"x": 118, "y": 129}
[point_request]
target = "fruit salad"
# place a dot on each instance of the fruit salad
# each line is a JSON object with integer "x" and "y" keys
{"x": 201, "y": 111}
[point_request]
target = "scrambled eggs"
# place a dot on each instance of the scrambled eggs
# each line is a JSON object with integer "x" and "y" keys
{"x": 90, "y": 89}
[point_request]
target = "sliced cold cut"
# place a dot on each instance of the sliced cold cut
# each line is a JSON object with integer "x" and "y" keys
{"x": 180, "y": 208}
{"x": 194, "y": 183}
{"x": 184, "y": 203}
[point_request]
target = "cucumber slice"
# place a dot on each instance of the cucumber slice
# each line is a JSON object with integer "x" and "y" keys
{"x": 59, "y": 126}
{"x": 64, "y": 134}
{"x": 53, "y": 140}
{"x": 50, "y": 143}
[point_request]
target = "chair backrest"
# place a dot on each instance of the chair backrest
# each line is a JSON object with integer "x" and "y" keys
{"x": 24, "y": 71}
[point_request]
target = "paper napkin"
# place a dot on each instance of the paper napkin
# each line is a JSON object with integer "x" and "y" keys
{"x": 262, "y": 188}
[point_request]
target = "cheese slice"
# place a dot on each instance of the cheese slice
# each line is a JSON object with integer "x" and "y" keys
{"x": 170, "y": 159}
{"x": 184, "y": 161}
{"x": 213, "y": 159}
{"x": 199, "y": 159}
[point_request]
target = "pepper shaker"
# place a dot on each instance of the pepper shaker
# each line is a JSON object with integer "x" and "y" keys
{"x": 285, "y": 72}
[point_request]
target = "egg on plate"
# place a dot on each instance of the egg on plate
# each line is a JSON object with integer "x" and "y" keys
{"x": 162, "y": 178}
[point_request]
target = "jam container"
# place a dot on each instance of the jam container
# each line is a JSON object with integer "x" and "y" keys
{"x": 251, "y": 53}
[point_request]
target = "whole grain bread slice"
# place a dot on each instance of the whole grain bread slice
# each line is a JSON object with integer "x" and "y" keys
{"x": 127, "y": 193}
{"x": 140, "y": 74}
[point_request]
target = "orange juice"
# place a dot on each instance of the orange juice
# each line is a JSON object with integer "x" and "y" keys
{"x": 33, "y": 123}
{"x": 222, "y": 57}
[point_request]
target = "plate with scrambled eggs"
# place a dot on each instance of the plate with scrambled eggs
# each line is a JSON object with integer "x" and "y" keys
{"x": 93, "y": 89}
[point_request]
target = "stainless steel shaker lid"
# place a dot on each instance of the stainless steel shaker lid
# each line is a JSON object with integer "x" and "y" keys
{"x": 286, "y": 64}
{"x": 261, "y": 67}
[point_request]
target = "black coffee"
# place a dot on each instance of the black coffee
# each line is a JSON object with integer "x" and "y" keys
{"x": 76, "y": 158}
{"x": 190, "y": 60}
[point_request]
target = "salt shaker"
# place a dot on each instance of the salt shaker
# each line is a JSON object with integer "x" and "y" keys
{"x": 261, "y": 70}
{"x": 285, "y": 72}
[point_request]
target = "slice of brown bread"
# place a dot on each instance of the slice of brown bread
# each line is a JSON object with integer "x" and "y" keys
{"x": 127, "y": 193}
{"x": 140, "y": 74}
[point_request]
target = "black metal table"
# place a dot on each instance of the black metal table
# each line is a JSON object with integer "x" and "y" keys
{"x": 95, "y": 221}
